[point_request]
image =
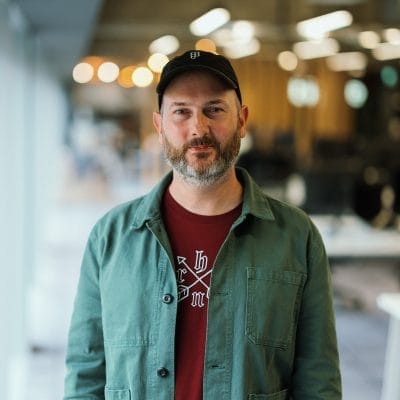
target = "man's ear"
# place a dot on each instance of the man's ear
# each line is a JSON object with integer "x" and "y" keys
{"x": 243, "y": 115}
{"x": 157, "y": 124}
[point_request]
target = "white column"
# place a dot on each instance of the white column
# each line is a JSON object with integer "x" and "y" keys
{"x": 390, "y": 302}
{"x": 13, "y": 196}
{"x": 32, "y": 119}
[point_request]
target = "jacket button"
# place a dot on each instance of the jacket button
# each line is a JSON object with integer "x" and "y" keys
{"x": 162, "y": 372}
{"x": 167, "y": 298}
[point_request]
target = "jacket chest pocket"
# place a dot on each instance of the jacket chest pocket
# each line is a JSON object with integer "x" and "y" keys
{"x": 111, "y": 394}
{"x": 273, "y": 301}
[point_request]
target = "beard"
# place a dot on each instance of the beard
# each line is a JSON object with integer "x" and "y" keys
{"x": 204, "y": 172}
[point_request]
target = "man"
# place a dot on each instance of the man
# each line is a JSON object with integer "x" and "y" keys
{"x": 205, "y": 288}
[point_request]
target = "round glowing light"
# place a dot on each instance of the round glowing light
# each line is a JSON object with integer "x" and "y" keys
{"x": 235, "y": 49}
{"x": 94, "y": 61}
{"x": 167, "y": 44}
{"x": 125, "y": 77}
{"x": 142, "y": 77}
{"x": 157, "y": 61}
{"x": 296, "y": 191}
{"x": 303, "y": 91}
{"x": 243, "y": 31}
{"x": 209, "y": 21}
{"x": 392, "y": 35}
{"x": 355, "y": 93}
{"x": 316, "y": 48}
{"x": 222, "y": 36}
{"x": 368, "y": 39}
{"x": 287, "y": 60}
{"x": 319, "y": 27}
{"x": 389, "y": 76}
{"x": 108, "y": 72}
{"x": 206, "y": 45}
{"x": 83, "y": 73}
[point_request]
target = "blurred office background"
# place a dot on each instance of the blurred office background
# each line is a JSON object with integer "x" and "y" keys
{"x": 76, "y": 138}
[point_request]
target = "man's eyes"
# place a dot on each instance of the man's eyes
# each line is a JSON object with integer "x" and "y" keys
{"x": 208, "y": 111}
{"x": 181, "y": 111}
{"x": 215, "y": 110}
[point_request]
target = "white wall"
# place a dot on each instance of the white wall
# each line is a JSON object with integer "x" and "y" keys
{"x": 32, "y": 119}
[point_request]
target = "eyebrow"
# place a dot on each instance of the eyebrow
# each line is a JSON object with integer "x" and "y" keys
{"x": 208, "y": 103}
{"x": 178, "y": 104}
{"x": 217, "y": 101}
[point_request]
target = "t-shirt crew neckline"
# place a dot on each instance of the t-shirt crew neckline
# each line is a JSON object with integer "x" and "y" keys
{"x": 182, "y": 212}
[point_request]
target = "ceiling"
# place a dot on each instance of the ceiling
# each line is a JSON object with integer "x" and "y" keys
{"x": 63, "y": 29}
{"x": 122, "y": 29}
{"x": 126, "y": 27}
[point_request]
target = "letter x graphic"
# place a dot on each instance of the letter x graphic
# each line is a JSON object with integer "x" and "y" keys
{"x": 183, "y": 290}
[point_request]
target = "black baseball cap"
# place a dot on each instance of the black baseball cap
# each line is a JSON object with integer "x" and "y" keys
{"x": 198, "y": 59}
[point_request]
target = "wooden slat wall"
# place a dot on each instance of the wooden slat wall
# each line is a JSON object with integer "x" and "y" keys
{"x": 334, "y": 119}
{"x": 263, "y": 86}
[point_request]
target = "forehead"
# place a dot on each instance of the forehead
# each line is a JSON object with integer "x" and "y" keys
{"x": 197, "y": 82}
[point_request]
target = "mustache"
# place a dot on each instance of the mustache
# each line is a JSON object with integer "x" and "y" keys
{"x": 203, "y": 141}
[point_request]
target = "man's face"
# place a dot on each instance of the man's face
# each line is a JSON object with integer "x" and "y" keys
{"x": 200, "y": 127}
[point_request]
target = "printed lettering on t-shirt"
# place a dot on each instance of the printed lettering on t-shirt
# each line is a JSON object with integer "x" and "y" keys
{"x": 193, "y": 282}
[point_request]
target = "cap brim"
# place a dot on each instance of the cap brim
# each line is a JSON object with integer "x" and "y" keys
{"x": 177, "y": 71}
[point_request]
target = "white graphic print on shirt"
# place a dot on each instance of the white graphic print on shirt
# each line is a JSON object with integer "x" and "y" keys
{"x": 191, "y": 284}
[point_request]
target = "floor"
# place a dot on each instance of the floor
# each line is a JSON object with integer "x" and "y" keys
{"x": 362, "y": 340}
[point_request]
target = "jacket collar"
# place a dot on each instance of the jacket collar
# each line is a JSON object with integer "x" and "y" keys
{"x": 255, "y": 202}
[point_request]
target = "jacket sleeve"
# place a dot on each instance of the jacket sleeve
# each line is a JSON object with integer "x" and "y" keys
{"x": 317, "y": 373}
{"x": 85, "y": 363}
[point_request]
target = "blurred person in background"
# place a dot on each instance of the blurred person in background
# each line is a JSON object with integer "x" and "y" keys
{"x": 205, "y": 288}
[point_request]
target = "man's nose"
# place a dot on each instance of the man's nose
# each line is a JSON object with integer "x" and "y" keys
{"x": 200, "y": 126}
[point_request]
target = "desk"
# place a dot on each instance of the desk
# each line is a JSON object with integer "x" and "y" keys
{"x": 347, "y": 236}
{"x": 390, "y": 303}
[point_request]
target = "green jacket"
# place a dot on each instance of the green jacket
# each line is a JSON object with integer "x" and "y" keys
{"x": 271, "y": 330}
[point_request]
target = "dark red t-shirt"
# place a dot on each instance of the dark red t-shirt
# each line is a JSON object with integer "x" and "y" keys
{"x": 195, "y": 241}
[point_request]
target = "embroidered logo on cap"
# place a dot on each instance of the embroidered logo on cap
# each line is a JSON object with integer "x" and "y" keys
{"x": 194, "y": 54}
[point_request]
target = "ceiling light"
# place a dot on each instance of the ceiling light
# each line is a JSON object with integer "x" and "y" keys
{"x": 157, "y": 61}
{"x": 222, "y": 36}
{"x": 83, "y": 73}
{"x": 167, "y": 44}
{"x": 316, "y": 48}
{"x": 392, "y": 35}
{"x": 355, "y": 93}
{"x": 350, "y": 61}
{"x": 243, "y": 30}
{"x": 142, "y": 77}
{"x": 303, "y": 91}
{"x": 386, "y": 51}
{"x": 368, "y": 39}
{"x": 206, "y": 45}
{"x": 108, "y": 72}
{"x": 240, "y": 50}
{"x": 287, "y": 60}
{"x": 210, "y": 21}
{"x": 316, "y": 28}
{"x": 125, "y": 77}
{"x": 389, "y": 76}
